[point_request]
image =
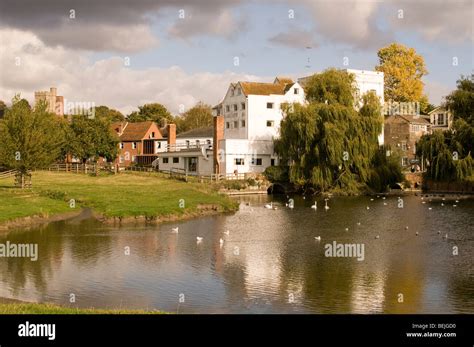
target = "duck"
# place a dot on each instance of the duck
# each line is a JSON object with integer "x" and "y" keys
{"x": 317, "y": 238}
{"x": 175, "y": 230}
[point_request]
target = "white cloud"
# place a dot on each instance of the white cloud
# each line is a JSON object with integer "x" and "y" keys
{"x": 105, "y": 82}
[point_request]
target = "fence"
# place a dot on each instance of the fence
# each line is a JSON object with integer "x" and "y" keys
{"x": 81, "y": 168}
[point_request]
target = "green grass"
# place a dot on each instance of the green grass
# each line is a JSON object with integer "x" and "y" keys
{"x": 33, "y": 308}
{"x": 124, "y": 195}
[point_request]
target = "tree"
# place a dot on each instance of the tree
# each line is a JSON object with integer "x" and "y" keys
{"x": 403, "y": 70}
{"x": 198, "y": 116}
{"x": 91, "y": 138}
{"x": 31, "y": 139}
{"x": 154, "y": 112}
{"x": 461, "y": 100}
{"x": 3, "y": 107}
{"x": 327, "y": 143}
{"x": 108, "y": 113}
{"x": 386, "y": 170}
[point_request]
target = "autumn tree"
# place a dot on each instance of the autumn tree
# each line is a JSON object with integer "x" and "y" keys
{"x": 198, "y": 116}
{"x": 155, "y": 112}
{"x": 30, "y": 138}
{"x": 403, "y": 71}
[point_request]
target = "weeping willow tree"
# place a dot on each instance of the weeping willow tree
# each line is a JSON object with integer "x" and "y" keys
{"x": 448, "y": 154}
{"x": 328, "y": 143}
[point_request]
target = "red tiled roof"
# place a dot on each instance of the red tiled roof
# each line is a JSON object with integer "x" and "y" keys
{"x": 135, "y": 131}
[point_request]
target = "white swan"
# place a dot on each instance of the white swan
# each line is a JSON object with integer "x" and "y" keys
{"x": 315, "y": 206}
{"x": 368, "y": 207}
{"x": 269, "y": 206}
{"x": 317, "y": 238}
{"x": 377, "y": 237}
{"x": 175, "y": 230}
{"x": 227, "y": 232}
{"x": 347, "y": 229}
{"x": 221, "y": 242}
{"x": 416, "y": 233}
{"x": 199, "y": 239}
{"x": 326, "y": 207}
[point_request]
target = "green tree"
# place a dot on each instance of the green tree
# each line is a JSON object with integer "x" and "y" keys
{"x": 327, "y": 143}
{"x": 91, "y": 138}
{"x": 30, "y": 138}
{"x": 154, "y": 112}
{"x": 403, "y": 70}
{"x": 386, "y": 170}
{"x": 461, "y": 100}
{"x": 198, "y": 116}
{"x": 3, "y": 107}
{"x": 108, "y": 113}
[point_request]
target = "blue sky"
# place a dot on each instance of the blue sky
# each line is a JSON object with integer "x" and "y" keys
{"x": 202, "y": 46}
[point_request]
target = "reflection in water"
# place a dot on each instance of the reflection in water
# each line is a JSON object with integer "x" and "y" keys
{"x": 269, "y": 262}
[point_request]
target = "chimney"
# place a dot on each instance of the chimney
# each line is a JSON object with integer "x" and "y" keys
{"x": 218, "y": 136}
{"x": 171, "y": 136}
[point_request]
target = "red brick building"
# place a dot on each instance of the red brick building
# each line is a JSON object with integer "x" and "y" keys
{"x": 401, "y": 132}
{"x": 140, "y": 142}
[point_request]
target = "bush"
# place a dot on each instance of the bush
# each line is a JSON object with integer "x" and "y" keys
{"x": 277, "y": 173}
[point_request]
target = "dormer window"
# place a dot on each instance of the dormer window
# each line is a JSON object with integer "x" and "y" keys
{"x": 152, "y": 135}
{"x": 296, "y": 91}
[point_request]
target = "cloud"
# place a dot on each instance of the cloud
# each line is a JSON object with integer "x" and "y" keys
{"x": 114, "y": 25}
{"x": 450, "y": 21}
{"x": 105, "y": 82}
{"x": 295, "y": 38}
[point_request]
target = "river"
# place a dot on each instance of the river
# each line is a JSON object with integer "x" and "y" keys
{"x": 269, "y": 262}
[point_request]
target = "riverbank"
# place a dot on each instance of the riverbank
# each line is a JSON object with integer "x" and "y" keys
{"x": 8, "y": 306}
{"x": 128, "y": 197}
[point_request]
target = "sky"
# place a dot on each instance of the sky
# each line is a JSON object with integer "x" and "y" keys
{"x": 178, "y": 52}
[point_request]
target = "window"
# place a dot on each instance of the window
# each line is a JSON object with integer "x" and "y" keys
{"x": 242, "y": 106}
{"x": 152, "y": 135}
{"x": 296, "y": 91}
{"x": 165, "y": 160}
{"x": 208, "y": 142}
{"x": 236, "y": 107}
{"x": 256, "y": 161}
{"x": 192, "y": 164}
{"x": 404, "y": 161}
{"x": 272, "y": 162}
{"x": 187, "y": 143}
{"x": 227, "y": 125}
{"x": 404, "y": 146}
{"x": 175, "y": 160}
{"x": 242, "y": 123}
{"x": 270, "y": 123}
{"x": 198, "y": 143}
{"x": 121, "y": 145}
{"x": 158, "y": 144}
{"x": 134, "y": 145}
{"x": 239, "y": 161}
{"x": 269, "y": 104}
{"x": 227, "y": 108}
{"x": 440, "y": 119}
{"x": 236, "y": 124}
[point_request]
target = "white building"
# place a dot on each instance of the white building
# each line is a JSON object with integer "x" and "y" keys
{"x": 252, "y": 115}
{"x": 440, "y": 119}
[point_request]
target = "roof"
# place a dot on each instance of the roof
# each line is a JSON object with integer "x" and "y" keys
{"x": 438, "y": 109}
{"x": 260, "y": 88}
{"x": 284, "y": 80}
{"x": 199, "y": 132}
{"x": 413, "y": 119}
{"x": 135, "y": 131}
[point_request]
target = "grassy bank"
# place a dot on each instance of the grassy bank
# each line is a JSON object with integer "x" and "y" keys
{"x": 33, "y": 308}
{"x": 124, "y": 195}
